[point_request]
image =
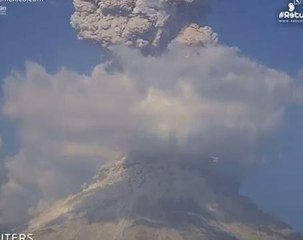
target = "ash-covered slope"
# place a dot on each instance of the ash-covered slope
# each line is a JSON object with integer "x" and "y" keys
{"x": 152, "y": 199}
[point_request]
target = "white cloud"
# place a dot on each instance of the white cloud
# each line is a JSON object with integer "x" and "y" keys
{"x": 213, "y": 102}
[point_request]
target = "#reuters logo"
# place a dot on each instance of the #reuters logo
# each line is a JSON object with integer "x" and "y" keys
{"x": 292, "y": 15}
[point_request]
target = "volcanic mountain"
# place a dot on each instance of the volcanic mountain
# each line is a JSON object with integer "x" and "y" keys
{"x": 137, "y": 198}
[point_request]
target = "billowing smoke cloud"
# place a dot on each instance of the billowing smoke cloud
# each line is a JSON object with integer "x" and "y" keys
{"x": 209, "y": 103}
{"x": 145, "y": 24}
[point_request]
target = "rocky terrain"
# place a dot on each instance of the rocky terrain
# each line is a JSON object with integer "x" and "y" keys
{"x": 144, "y": 200}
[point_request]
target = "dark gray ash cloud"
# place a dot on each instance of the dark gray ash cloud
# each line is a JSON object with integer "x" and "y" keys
{"x": 144, "y": 24}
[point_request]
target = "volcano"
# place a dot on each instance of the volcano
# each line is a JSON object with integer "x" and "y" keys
{"x": 152, "y": 199}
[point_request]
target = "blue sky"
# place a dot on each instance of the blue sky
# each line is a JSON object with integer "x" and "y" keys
{"x": 252, "y": 26}
{"x": 42, "y": 33}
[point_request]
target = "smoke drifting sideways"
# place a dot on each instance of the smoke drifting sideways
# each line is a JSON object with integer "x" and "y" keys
{"x": 142, "y": 24}
{"x": 214, "y": 104}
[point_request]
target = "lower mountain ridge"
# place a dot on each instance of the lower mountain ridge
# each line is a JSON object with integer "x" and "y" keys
{"x": 157, "y": 200}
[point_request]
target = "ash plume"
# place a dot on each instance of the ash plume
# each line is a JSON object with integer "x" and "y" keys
{"x": 143, "y": 24}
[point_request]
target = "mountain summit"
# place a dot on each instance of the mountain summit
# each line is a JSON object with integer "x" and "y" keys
{"x": 157, "y": 200}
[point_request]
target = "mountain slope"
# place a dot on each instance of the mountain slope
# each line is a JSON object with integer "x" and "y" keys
{"x": 152, "y": 199}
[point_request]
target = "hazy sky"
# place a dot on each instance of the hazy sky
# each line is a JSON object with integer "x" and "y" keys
{"x": 42, "y": 33}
